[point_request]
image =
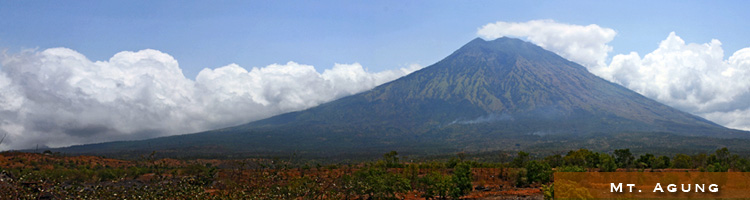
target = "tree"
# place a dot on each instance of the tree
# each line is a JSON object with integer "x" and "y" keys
{"x": 717, "y": 167}
{"x": 700, "y": 161}
{"x": 607, "y": 163}
{"x": 521, "y": 159}
{"x": 593, "y": 159}
{"x": 435, "y": 185}
{"x": 624, "y": 158}
{"x": 662, "y": 162}
{"x": 538, "y": 172}
{"x": 452, "y": 162}
{"x": 554, "y": 160}
{"x": 577, "y": 158}
{"x": 743, "y": 165}
{"x": 391, "y": 160}
{"x": 646, "y": 161}
{"x": 682, "y": 161}
{"x": 462, "y": 180}
{"x": 378, "y": 183}
{"x": 723, "y": 156}
{"x": 571, "y": 168}
{"x": 504, "y": 157}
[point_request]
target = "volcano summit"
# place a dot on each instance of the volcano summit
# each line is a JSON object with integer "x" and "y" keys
{"x": 503, "y": 94}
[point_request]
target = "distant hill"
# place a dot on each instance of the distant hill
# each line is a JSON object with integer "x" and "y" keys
{"x": 504, "y": 94}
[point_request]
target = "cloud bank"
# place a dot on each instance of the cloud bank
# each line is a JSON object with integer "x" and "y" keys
{"x": 693, "y": 77}
{"x": 57, "y": 97}
{"x": 689, "y": 76}
{"x": 586, "y": 45}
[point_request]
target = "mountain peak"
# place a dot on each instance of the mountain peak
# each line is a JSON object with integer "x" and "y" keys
{"x": 481, "y": 41}
{"x": 483, "y": 96}
{"x": 504, "y": 47}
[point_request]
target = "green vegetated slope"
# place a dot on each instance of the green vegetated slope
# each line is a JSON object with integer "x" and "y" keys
{"x": 488, "y": 95}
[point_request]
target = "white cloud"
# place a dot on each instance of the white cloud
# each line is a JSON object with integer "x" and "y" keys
{"x": 689, "y": 76}
{"x": 58, "y": 97}
{"x": 586, "y": 45}
{"x": 692, "y": 77}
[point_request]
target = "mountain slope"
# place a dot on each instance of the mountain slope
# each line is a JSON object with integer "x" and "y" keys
{"x": 484, "y": 96}
{"x": 505, "y": 80}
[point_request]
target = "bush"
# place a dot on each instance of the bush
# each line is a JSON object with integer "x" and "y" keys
{"x": 377, "y": 183}
{"x": 202, "y": 174}
{"x": 682, "y": 161}
{"x": 538, "y": 172}
{"x": 571, "y": 168}
{"x": 435, "y": 185}
{"x": 462, "y": 180}
{"x": 521, "y": 178}
{"x": 548, "y": 191}
{"x": 624, "y": 158}
{"x": 390, "y": 160}
{"x": 608, "y": 165}
{"x": 521, "y": 159}
{"x": 662, "y": 162}
{"x": 717, "y": 167}
{"x": 743, "y": 165}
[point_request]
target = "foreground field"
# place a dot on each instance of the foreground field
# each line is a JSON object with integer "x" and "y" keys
{"x": 52, "y": 176}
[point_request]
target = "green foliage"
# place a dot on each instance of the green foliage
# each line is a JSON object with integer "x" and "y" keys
{"x": 607, "y": 164}
{"x": 624, "y": 158}
{"x": 722, "y": 156}
{"x": 391, "y": 160}
{"x": 582, "y": 157}
{"x": 275, "y": 180}
{"x": 411, "y": 172}
{"x": 520, "y": 177}
{"x": 435, "y": 185}
{"x": 298, "y": 187}
{"x": 431, "y": 165}
{"x": 548, "y": 191}
{"x": 662, "y": 162}
{"x": 554, "y": 160}
{"x": 201, "y": 174}
{"x": 743, "y": 165}
{"x": 682, "y": 161}
{"x": 462, "y": 177}
{"x": 646, "y": 161}
{"x": 521, "y": 159}
{"x": 452, "y": 163}
{"x": 377, "y": 183}
{"x": 571, "y": 168}
{"x": 538, "y": 172}
{"x": 700, "y": 160}
{"x": 720, "y": 161}
{"x": 717, "y": 167}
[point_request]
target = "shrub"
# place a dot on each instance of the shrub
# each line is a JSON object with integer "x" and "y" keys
{"x": 548, "y": 191}
{"x": 435, "y": 185}
{"x": 538, "y": 172}
{"x": 624, "y": 158}
{"x": 521, "y": 159}
{"x": 377, "y": 183}
{"x": 607, "y": 164}
{"x": 462, "y": 180}
{"x": 571, "y": 168}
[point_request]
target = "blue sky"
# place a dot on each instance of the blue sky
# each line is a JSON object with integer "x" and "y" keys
{"x": 378, "y": 34}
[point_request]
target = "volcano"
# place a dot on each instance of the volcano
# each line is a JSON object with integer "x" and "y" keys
{"x": 488, "y": 95}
